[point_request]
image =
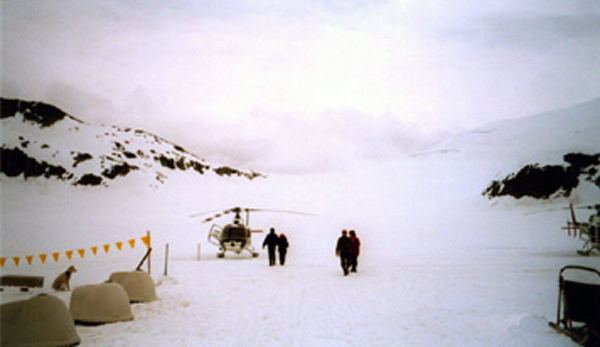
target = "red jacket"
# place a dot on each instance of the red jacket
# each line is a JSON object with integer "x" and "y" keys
{"x": 354, "y": 246}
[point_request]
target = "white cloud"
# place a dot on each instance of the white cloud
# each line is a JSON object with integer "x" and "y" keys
{"x": 187, "y": 69}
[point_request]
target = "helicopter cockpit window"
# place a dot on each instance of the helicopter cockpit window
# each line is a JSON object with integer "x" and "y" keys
{"x": 234, "y": 233}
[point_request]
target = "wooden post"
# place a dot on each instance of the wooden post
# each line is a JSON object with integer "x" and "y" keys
{"x": 166, "y": 259}
{"x": 146, "y": 257}
{"x": 149, "y": 246}
{"x": 198, "y": 255}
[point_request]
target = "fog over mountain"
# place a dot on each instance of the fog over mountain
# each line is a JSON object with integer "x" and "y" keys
{"x": 41, "y": 140}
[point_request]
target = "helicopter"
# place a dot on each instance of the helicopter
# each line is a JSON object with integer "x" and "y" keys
{"x": 237, "y": 235}
{"x": 588, "y": 232}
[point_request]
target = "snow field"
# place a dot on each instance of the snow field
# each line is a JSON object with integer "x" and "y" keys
{"x": 440, "y": 264}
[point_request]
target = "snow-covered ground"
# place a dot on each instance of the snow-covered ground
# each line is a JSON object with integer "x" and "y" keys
{"x": 441, "y": 265}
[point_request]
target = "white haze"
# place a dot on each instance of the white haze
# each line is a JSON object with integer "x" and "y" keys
{"x": 247, "y": 83}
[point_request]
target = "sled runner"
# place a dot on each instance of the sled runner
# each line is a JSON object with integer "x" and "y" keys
{"x": 578, "y": 313}
{"x": 24, "y": 282}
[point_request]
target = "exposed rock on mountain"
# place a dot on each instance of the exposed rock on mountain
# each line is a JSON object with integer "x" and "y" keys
{"x": 543, "y": 182}
{"x": 42, "y": 141}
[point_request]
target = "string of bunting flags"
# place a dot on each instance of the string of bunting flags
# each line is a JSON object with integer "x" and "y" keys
{"x": 17, "y": 260}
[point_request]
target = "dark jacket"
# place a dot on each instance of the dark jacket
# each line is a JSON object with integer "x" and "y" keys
{"x": 271, "y": 240}
{"x": 343, "y": 246}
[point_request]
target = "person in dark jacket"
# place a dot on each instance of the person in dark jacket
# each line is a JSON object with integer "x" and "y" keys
{"x": 342, "y": 250}
{"x": 282, "y": 247}
{"x": 271, "y": 242}
{"x": 354, "y": 250}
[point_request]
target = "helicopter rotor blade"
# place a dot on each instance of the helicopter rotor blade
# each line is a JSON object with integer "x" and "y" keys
{"x": 194, "y": 215}
{"x": 211, "y": 218}
{"x": 215, "y": 215}
{"x": 277, "y": 211}
{"x": 240, "y": 210}
{"x": 573, "y": 217}
{"x": 586, "y": 207}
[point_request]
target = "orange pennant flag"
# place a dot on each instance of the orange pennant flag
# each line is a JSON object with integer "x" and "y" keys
{"x": 81, "y": 252}
{"x": 69, "y": 254}
{"x": 16, "y": 260}
{"x": 146, "y": 240}
{"x": 119, "y": 245}
{"x": 55, "y": 256}
{"x": 106, "y": 247}
{"x": 29, "y": 259}
{"x": 95, "y": 250}
{"x": 132, "y": 243}
{"x": 43, "y": 258}
{"x": 2, "y": 261}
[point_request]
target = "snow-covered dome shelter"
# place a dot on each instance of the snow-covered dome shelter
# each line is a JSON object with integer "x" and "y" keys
{"x": 100, "y": 303}
{"x": 138, "y": 285}
{"x": 42, "y": 320}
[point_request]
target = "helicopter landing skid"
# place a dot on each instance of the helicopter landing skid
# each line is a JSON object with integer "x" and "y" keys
{"x": 589, "y": 246}
{"x": 252, "y": 251}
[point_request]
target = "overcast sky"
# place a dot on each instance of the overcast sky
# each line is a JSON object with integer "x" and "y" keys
{"x": 265, "y": 84}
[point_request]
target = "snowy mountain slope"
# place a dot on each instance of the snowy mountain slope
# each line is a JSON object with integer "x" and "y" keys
{"x": 547, "y": 155}
{"x": 40, "y": 140}
{"x": 440, "y": 265}
{"x": 543, "y": 138}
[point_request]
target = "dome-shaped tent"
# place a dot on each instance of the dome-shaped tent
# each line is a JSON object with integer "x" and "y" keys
{"x": 138, "y": 285}
{"x": 43, "y": 320}
{"x": 100, "y": 303}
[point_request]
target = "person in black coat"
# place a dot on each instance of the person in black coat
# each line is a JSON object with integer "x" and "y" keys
{"x": 271, "y": 242}
{"x": 282, "y": 247}
{"x": 342, "y": 250}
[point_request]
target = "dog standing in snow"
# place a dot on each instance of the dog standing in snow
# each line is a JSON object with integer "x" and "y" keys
{"x": 61, "y": 283}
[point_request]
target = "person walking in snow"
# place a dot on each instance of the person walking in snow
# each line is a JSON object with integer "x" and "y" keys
{"x": 354, "y": 250}
{"x": 342, "y": 250}
{"x": 271, "y": 242}
{"x": 282, "y": 247}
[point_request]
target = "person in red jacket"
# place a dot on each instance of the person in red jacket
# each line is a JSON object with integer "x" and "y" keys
{"x": 354, "y": 250}
{"x": 282, "y": 247}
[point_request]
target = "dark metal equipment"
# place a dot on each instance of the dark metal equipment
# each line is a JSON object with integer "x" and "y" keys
{"x": 578, "y": 313}
{"x": 588, "y": 232}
